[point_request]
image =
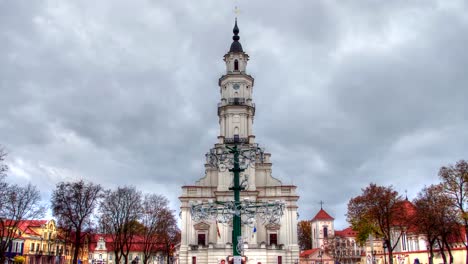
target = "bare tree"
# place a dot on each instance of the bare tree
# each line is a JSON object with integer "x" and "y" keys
{"x": 431, "y": 205}
{"x": 168, "y": 231}
{"x": 153, "y": 205}
{"x": 455, "y": 181}
{"x": 18, "y": 203}
{"x": 74, "y": 204}
{"x": 3, "y": 183}
{"x": 120, "y": 211}
{"x": 3, "y": 166}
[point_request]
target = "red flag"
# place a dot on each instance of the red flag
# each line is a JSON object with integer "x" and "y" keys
{"x": 217, "y": 229}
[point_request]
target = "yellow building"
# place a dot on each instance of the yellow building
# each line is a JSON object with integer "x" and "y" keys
{"x": 41, "y": 244}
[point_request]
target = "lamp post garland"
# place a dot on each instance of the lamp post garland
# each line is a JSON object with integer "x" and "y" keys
{"x": 236, "y": 159}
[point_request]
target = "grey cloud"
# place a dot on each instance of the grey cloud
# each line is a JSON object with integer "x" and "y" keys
{"x": 126, "y": 93}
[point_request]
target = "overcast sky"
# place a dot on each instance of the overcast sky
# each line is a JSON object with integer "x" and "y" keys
{"x": 125, "y": 92}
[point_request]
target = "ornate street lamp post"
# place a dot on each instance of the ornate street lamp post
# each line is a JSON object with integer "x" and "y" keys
{"x": 236, "y": 157}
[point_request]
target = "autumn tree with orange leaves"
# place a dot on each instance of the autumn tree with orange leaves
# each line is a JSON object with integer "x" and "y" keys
{"x": 379, "y": 212}
{"x": 304, "y": 234}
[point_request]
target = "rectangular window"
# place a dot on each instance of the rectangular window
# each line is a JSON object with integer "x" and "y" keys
{"x": 273, "y": 239}
{"x": 194, "y": 260}
{"x": 201, "y": 239}
{"x": 280, "y": 259}
{"x": 32, "y": 247}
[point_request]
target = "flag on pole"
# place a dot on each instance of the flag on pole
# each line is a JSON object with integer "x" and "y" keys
{"x": 217, "y": 229}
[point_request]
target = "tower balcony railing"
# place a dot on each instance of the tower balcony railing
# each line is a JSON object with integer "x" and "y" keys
{"x": 236, "y": 140}
{"x": 236, "y": 101}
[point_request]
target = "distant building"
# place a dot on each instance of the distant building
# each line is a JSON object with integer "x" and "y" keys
{"x": 411, "y": 247}
{"x": 37, "y": 241}
{"x": 330, "y": 246}
{"x": 101, "y": 251}
{"x": 322, "y": 228}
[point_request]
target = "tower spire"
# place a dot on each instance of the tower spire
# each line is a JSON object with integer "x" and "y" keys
{"x": 236, "y": 46}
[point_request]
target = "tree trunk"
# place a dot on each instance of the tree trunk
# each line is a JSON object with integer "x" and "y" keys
{"x": 466, "y": 240}
{"x": 449, "y": 251}
{"x": 168, "y": 251}
{"x": 118, "y": 257}
{"x": 431, "y": 254}
{"x": 442, "y": 252}
{"x": 2, "y": 257}
{"x": 390, "y": 253}
{"x": 77, "y": 246}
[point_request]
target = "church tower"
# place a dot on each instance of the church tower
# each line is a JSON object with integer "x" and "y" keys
{"x": 210, "y": 242}
{"x": 236, "y": 109}
{"x": 322, "y": 228}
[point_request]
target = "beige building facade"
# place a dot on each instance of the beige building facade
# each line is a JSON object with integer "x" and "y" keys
{"x": 209, "y": 241}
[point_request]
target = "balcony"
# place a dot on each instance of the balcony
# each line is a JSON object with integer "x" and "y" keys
{"x": 236, "y": 101}
{"x": 235, "y": 140}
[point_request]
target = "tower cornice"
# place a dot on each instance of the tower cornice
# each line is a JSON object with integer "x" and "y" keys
{"x": 230, "y": 75}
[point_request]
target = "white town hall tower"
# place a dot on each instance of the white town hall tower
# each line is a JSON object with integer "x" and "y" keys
{"x": 210, "y": 242}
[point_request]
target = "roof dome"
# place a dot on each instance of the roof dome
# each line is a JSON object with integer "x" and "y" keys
{"x": 236, "y": 46}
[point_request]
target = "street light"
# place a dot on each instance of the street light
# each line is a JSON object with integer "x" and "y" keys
{"x": 236, "y": 156}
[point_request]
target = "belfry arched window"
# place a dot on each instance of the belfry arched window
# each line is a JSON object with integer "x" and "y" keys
{"x": 236, "y": 65}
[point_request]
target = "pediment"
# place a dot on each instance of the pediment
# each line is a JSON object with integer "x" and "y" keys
{"x": 273, "y": 226}
{"x": 201, "y": 226}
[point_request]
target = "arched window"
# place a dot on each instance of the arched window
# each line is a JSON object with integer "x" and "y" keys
{"x": 236, "y": 65}
{"x": 325, "y": 232}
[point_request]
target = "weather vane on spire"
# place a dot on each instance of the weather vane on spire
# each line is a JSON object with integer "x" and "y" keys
{"x": 236, "y": 11}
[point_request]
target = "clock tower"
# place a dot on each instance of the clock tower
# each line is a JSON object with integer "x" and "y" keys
{"x": 204, "y": 241}
{"x": 236, "y": 109}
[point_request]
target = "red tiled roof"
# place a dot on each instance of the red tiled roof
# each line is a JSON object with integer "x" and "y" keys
{"x": 322, "y": 215}
{"x": 308, "y": 252}
{"x": 404, "y": 210}
{"x": 348, "y": 232}
{"x": 26, "y": 225}
{"x": 137, "y": 244}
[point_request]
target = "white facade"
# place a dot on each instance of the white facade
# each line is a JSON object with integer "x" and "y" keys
{"x": 321, "y": 231}
{"x": 200, "y": 241}
{"x": 101, "y": 252}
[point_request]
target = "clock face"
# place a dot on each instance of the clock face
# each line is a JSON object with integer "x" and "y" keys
{"x": 236, "y": 86}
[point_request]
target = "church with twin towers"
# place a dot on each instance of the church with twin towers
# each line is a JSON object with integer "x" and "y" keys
{"x": 209, "y": 241}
